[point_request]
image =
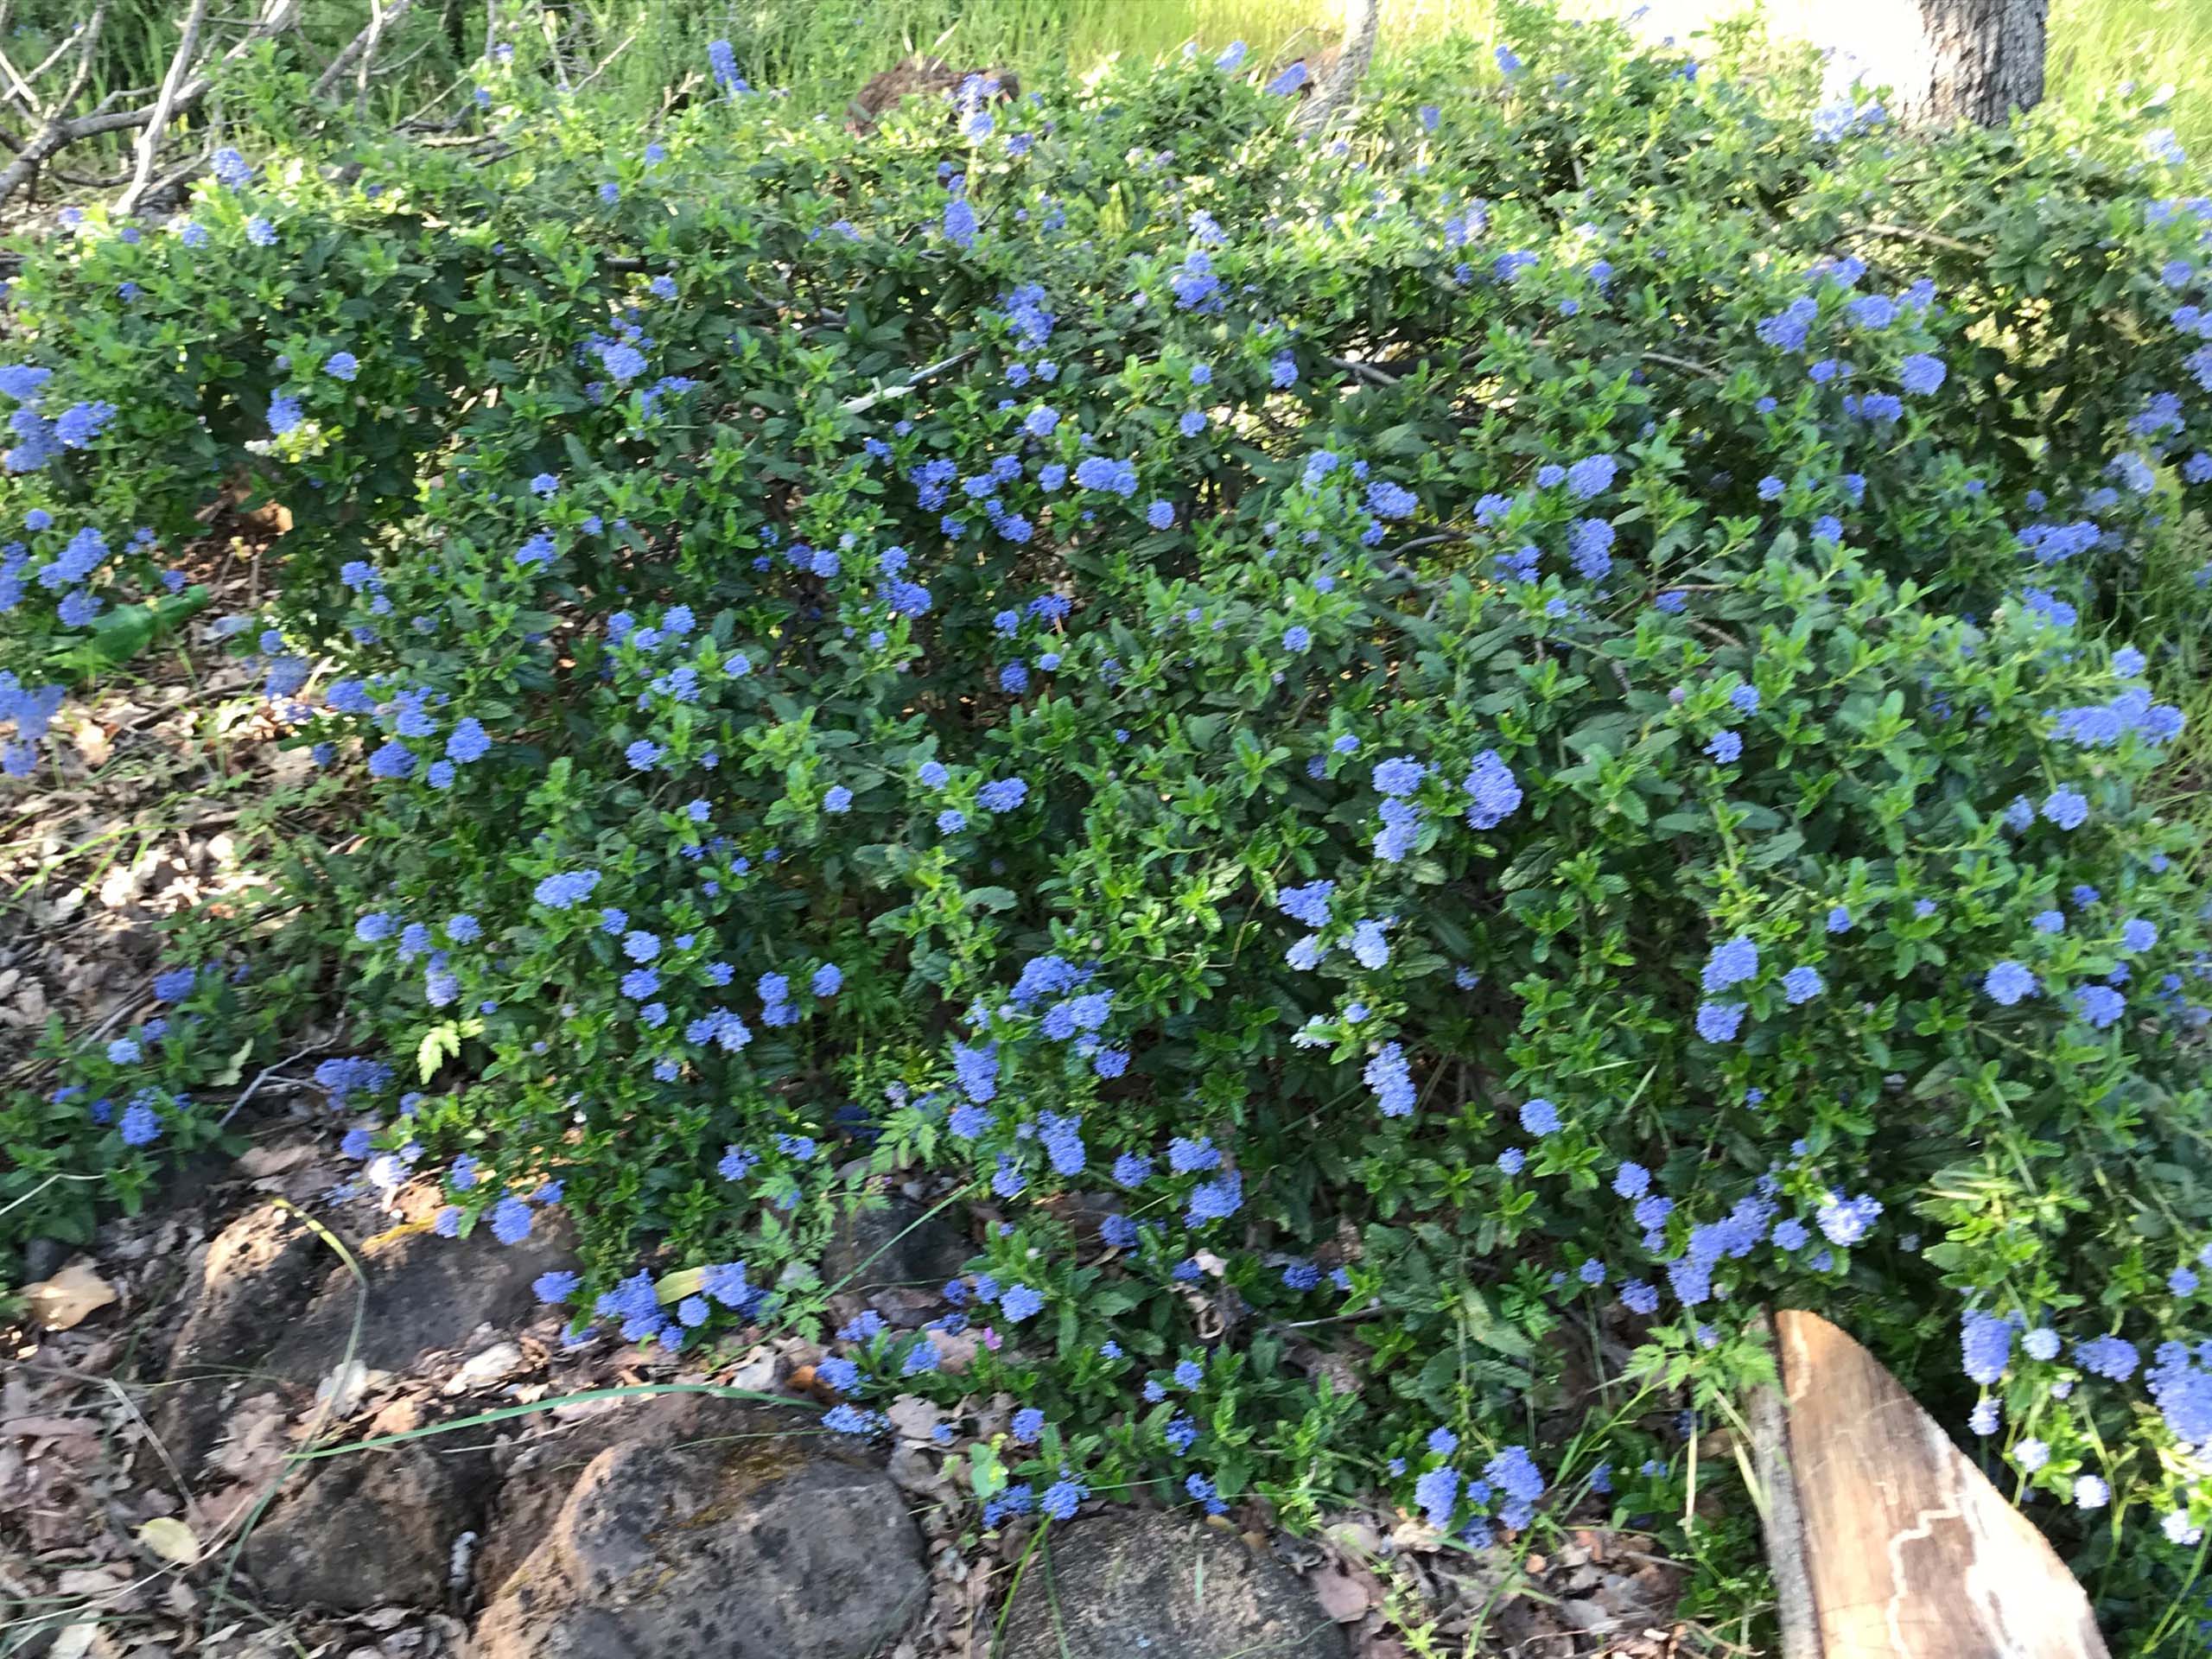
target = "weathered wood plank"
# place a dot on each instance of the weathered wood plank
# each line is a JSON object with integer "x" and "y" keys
{"x": 1886, "y": 1540}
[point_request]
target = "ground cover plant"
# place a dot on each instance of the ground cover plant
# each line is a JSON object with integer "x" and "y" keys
{"x": 1390, "y": 751}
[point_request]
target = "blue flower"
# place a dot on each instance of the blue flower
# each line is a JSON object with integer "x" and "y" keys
{"x": 1369, "y": 947}
{"x": 1019, "y": 1302}
{"x": 1726, "y": 748}
{"x": 1297, "y": 639}
{"x": 1801, "y": 985}
{"x": 851, "y": 1419}
{"x": 1308, "y": 904}
{"x": 2100, "y": 1005}
{"x": 1436, "y": 1492}
{"x": 2107, "y": 1357}
{"x": 1591, "y": 476}
{"x": 511, "y": 1220}
{"x": 1061, "y": 1498}
{"x": 1160, "y": 515}
{"x": 1846, "y": 1221}
{"x": 2066, "y": 808}
{"x": 1717, "y": 1022}
{"x": 1921, "y": 374}
{"x": 566, "y": 890}
{"x": 342, "y": 366}
{"x": 1391, "y": 1078}
{"x": 1216, "y": 1200}
{"x": 1731, "y": 963}
{"x": 1538, "y": 1116}
{"x": 2007, "y": 981}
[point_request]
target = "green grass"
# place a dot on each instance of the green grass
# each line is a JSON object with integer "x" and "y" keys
{"x": 824, "y": 50}
{"x": 2096, "y": 44}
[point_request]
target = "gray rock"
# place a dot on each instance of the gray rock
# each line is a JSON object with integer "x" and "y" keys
{"x": 1162, "y": 1586}
{"x": 274, "y": 1308}
{"x": 764, "y": 1548}
{"x": 425, "y": 1294}
{"x": 369, "y": 1528}
{"x": 255, "y": 1277}
{"x": 896, "y": 1242}
{"x": 536, "y": 1472}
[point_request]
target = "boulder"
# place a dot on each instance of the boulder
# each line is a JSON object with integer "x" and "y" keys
{"x": 766, "y": 1544}
{"x": 274, "y": 1308}
{"x": 896, "y": 1242}
{"x": 369, "y": 1528}
{"x": 535, "y": 1472}
{"x": 1166, "y": 1586}
{"x": 254, "y": 1278}
{"x": 425, "y": 1294}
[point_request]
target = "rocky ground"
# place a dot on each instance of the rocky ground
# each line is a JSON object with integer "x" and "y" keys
{"x": 318, "y": 1428}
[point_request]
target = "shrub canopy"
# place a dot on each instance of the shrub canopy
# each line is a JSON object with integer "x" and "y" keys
{"x": 1383, "y": 749}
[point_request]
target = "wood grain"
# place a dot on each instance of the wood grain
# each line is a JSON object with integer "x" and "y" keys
{"x": 1904, "y": 1546}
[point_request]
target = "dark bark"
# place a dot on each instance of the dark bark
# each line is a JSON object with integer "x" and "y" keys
{"x": 1975, "y": 61}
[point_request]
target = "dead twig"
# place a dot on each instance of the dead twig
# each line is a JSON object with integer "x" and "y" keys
{"x": 1373, "y": 374}
{"x": 362, "y": 48}
{"x": 1684, "y": 362}
{"x": 266, "y": 1073}
{"x": 150, "y": 135}
{"x": 868, "y": 400}
{"x": 175, "y": 99}
{"x": 1909, "y": 233}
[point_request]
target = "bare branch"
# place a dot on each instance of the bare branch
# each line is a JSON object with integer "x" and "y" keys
{"x": 57, "y": 132}
{"x": 275, "y": 17}
{"x": 868, "y": 400}
{"x": 1373, "y": 373}
{"x": 363, "y": 43}
{"x": 150, "y": 138}
{"x": 368, "y": 55}
{"x": 18, "y": 88}
{"x": 62, "y": 51}
{"x": 1684, "y": 362}
{"x": 61, "y": 130}
{"x": 1910, "y": 233}
{"x": 619, "y": 49}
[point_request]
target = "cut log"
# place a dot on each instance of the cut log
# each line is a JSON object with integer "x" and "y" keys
{"x": 1883, "y": 1538}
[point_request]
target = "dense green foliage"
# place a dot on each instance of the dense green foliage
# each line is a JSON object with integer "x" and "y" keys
{"x": 1386, "y": 751}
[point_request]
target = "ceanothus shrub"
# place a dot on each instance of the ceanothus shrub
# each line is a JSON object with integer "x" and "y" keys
{"x": 1376, "y": 747}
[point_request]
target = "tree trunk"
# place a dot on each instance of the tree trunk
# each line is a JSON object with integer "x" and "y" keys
{"x": 1952, "y": 60}
{"x": 1362, "y": 20}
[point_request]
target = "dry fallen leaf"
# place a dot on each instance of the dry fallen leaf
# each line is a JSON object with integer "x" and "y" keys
{"x": 1342, "y": 1596}
{"x": 68, "y": 1299}
{"x": 346, "y": 1387}
{"x": 915, "y": 1418}
{"x": 91, "y": 740}
{"x": 254, "y": 1443}
{"x": 171, "y": 1540}
{"x": 262, "y": 1161}
{"x": 49, "y": 1428}
{"x": 481, "y": 1370}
